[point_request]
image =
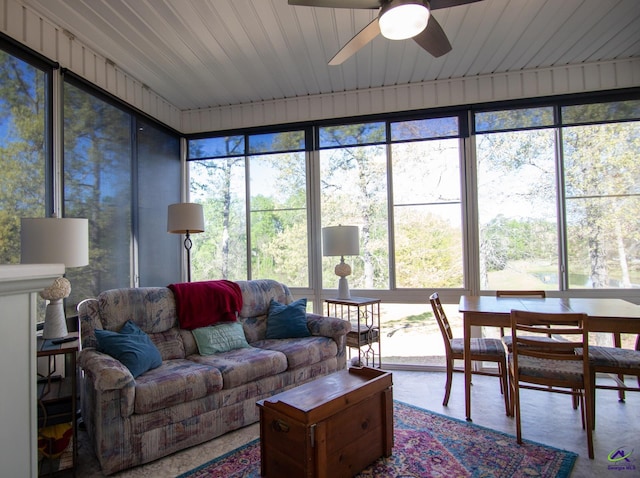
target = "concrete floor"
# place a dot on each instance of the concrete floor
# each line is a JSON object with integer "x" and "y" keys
{"x": 547, "y": 418}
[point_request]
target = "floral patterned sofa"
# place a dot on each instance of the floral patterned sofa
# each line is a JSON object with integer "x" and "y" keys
{"x": 190, "y": 398}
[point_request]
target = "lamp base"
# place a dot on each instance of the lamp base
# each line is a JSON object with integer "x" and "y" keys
{"x": 55, "y": 324}
{"x": 343, "y": 289}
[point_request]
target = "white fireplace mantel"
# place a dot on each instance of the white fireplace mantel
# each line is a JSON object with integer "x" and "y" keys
{"x": 19, "y": 287}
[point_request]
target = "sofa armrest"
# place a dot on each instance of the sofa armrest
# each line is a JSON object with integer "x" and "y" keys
{"x": 107, "y": 373}
{"x": 332, "y": 327}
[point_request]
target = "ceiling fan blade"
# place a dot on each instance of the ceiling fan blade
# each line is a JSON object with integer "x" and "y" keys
{"x": 365, "y": 35}
{"x": 337, "y": 3}
{"x": 433, "y": 39}
{"x": 438, "y": 4}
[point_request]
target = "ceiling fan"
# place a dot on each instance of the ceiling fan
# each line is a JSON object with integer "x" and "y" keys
{"x": 396, "y": 20}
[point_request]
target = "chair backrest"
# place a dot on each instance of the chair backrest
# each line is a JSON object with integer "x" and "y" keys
{"x": 441, "y": 317}
{"x": 521, "y": 293}
{"x": 526, "y": 325}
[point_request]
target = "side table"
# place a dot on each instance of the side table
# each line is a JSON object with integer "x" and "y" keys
{"x": 57, "y": 399}
{"x": 364, "y": 315}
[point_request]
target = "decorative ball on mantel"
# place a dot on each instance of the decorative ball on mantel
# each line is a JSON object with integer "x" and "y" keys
{"x": 55, "y": 325}
{"x": 60, "y": 289}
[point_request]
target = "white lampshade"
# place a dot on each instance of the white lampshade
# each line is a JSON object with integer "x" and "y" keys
{"x": 185, "y": 217}
{"x": 340, "y": 241}
{"x": 54, "y": 240}
{"x": 402, "y": 19}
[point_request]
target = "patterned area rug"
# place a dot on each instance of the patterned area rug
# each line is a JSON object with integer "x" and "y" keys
{"x": 427, "y": 444}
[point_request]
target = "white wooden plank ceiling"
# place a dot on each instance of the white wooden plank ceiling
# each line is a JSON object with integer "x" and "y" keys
{"x": 208, "y": 53}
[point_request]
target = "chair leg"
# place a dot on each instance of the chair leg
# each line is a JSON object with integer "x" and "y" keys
{"x": 515, "y": 403}
{"x": 618, "y": 343}
{"x": 593, "y": 399}
{"x": 589, "y": 410}
{"x": 511, "y": 394}
{"x": 502, "y": 367}
{"x": 621, "y": 396}
{"x": 574, "y": 400}
{"x": 447, "y": 386}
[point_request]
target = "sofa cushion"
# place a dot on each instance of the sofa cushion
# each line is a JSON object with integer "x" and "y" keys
{"x": 131, "y": 346}
{"x": 301, "y": 352}
{"x": 153, "y": 309}
{"x": 257, "y": 295}
{"x": 287, "y": 321}
{"x": 219, "y": 338}
{"x": 175, "y": 381}
{"x": 169, "y": 344}
{"x": 189, "y": 342}
{"x": 244, "y": 365}
{"x": 255, "y": 328}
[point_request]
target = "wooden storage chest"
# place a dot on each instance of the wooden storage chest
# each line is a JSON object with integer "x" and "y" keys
{"x": 329, "y": 428}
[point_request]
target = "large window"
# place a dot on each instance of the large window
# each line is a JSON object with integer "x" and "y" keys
{"x": 159, "y": 183}
{"x": 517, "y": 200}
{"x": 602, "y": 188}
{"x": 534, "y": 197}
{"x": 219, "y": 185}
{"x": 353, "y": 192}
{"x": 278, "y": 208}
{"x": 121, "y": 173}
{"x": 254, "y": 192}
{"x": 24, "y": 149}
{"x": 399, "y": 182}
{"x": 427, "y": 204}
{"x": 117, "y": 169}
{"x": 558, "y": 197}
{"x": 97, "y": 186}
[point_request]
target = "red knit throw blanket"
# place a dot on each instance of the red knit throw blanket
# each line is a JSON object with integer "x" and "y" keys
{"x": 206, "y": 303}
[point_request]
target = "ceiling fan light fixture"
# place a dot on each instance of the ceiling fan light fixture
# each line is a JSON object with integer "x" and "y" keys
{"x": 402, "y": 19}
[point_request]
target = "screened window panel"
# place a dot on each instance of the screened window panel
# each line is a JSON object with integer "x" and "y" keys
{"x": 221, "y": 250}
{"x": 602, "y": 187}
{"x": 159, "y": 178}
{"x": 24, "y": 150}
{"x": 513, "y": 119}
{"x": 353, "y": 192}
{"x": 97, "y": 186}
{"x": 427, "y": 214}
{"x": 517, "y": 210}
{"x": 601, "y": 112}
{"x": 217, "y": 147}
{"x": 278, "y": 203}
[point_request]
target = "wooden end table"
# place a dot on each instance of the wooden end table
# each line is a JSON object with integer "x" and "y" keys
{"x": 364, "y": 315}
{"x": 57, "y": 400}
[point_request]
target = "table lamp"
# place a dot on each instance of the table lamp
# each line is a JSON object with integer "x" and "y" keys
{"x": 341, "y": 241}
{"x": 186, "y": 218}
{"x": 53, "y": 240}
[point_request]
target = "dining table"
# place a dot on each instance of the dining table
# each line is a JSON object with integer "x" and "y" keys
{"x": 605, "y": 315}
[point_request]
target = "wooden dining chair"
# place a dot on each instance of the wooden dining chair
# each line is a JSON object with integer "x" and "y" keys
{"x": 617, "y": 362}
{"x": 539, "y": 294}
{"x": 551, "y": 366}
{"x": 482, "y": 350}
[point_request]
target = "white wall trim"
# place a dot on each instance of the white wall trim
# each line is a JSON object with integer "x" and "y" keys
{"x": 614, "y": 74}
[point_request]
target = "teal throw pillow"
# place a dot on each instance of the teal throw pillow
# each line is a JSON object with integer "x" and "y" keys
{"x": 287, "y": 321}
{"x": 131, "y": 346}
{"x": 220, "y": 338}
